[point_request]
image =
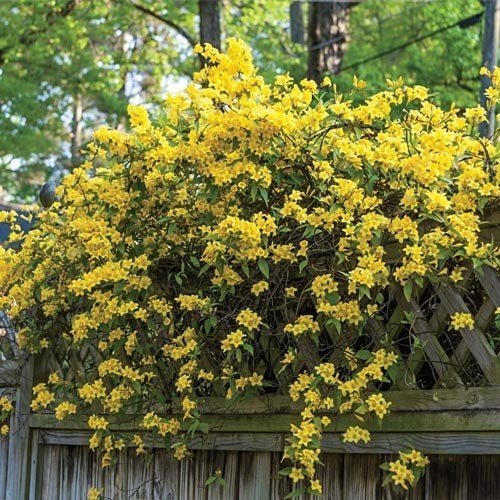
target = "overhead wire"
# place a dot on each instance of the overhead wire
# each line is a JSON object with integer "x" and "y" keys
{"x": 462, "y": 23}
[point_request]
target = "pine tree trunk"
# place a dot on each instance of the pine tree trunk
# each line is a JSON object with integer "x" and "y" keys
{"x": 327, "y": 37}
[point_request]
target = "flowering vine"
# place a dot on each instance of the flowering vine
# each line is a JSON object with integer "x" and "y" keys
{"x": 235, "y": 243}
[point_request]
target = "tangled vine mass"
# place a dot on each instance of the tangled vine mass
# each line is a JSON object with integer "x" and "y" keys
{"x": 235, "y": 242}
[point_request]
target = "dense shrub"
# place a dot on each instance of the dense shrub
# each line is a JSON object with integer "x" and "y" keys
{"x": 240, "y": 230}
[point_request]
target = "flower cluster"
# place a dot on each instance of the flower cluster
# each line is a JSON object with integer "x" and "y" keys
{"x": 6, "y": 408}
{"x": 243, "y": 224}
{"x": 407, "y": 469}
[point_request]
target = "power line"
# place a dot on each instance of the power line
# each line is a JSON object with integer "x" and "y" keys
{"x": 462, "y": 23}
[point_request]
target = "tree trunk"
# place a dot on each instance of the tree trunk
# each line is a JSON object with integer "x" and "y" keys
{"x": 209, "y": 12}
{"x": 327, "y": 37}
{"x": 490, "y": 59}
{"x": 76, "y": 129}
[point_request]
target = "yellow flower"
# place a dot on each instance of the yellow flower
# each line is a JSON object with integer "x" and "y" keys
{"x": 96, "y": 422}
{"x": 415, "y": 457}
{"x": 401, "y": 475}
{"x": 288, "y": 358}
{"x": 180, "y": 452}
{"x": 94, "y": 494}
{"x": 233, "y": 340}
{"x": 316, "y": 486}
{"x": 355, "y": 434}
{"x": 248, "y": 319}
{"x": 462, "y": 320}
{"x": 260, "y": 287}
{"x": 256, "y": 379}
{"x": 139, "y": 444}
{"x": 377, "y": 404}
{"x": 64, "y": 409}
{"x": 303, "y": 324}
{"x": 296, "y": 475}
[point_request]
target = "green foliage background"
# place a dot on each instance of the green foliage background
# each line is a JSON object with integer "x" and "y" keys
{"x": 107, "y": 52}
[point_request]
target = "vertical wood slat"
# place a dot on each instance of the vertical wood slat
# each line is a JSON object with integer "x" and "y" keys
{"x": 227, "y": 462}
{"x": 166, "y": 476}
{"x": 254, "y": 481}
{"x": 67, "y": 472}
{"x": 19, "y": 436}
{"x": 4, "y": 457}
{"x": 362, "y": 476}
{"x": 448, "y": 478}
{"x": 33, "y": 466}
{"x": 483, "y": 477}
{"x": 193, "y": 475}
{"x": 280, "y": 485}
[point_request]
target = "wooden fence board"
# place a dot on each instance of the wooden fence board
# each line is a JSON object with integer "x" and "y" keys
{"x": 361, "y": 477}
{"x": 448, "y": 478}
{"x": 483, "y": 477}
{"x": 67, "y": 472}
{"x": 166, "y": 476}
{"x": 4, "y": 457}
{"x": 254, "y": 475}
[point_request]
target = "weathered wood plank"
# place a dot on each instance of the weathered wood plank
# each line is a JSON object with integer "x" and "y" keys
{"x": 331, "y": 475}
{"x": 470, "y": 398}
{"x": 361, "y": 477}
{"x": 19, "y": 436}
{"x": 490, "y": 281}
{"x": 422, "y": 421}
{"x": 280, "y": 485}
{"x": 33, "y": 466}
{"x": 483, "y": 477}
{"x": 448, "y": 478}
{"x": 4, "y": 457}
{"x": 166, "y": 476}
{"x": 193, "y": 474}
{"x": 254, "y": 480}
{"x": 227, "y": 463}
{"x": 479, "y": 442}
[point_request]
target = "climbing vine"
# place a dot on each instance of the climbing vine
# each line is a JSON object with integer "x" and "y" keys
{"x": 234, "y": 243}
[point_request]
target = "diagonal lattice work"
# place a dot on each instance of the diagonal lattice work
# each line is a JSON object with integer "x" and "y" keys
{"x": 432, "y": 355}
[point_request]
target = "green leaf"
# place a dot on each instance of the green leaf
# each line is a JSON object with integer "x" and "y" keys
{"x": 210, "y": 480}
{"x": 302, "y": 265}
{"x": 387, "y": 480}
{"x": 407, "y": 290}
{"x": 264, "y": 267}
{"x": 296, "y": 493}
{"x": 244, "y": 268}
{"x": 285, "y": 472}
{"x": 248, "y": 348}
{"x": 364, "y": 354}
{"x": 264, "y": 194}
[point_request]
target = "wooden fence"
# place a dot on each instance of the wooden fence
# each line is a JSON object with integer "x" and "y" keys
{"x": 66, "y": 472}
{"x": 446, "y": 403}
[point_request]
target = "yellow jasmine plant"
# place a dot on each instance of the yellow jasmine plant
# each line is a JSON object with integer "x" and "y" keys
{"x": 6, "y": 409}
{"x": 242, "y": 227}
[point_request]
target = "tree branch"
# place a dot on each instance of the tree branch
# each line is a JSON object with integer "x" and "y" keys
{"x": 164, "y": 20}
